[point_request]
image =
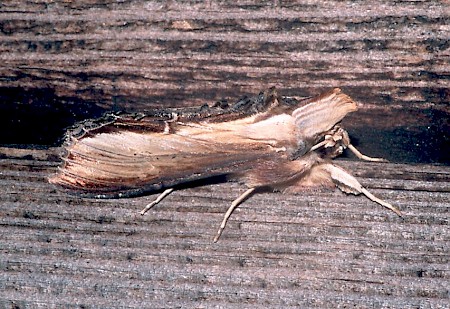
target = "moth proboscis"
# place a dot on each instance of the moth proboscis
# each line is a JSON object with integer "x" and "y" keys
{"x": 266, "y": 142}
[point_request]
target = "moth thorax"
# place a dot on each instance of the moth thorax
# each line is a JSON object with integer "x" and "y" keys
{"x": 302, "y": 148}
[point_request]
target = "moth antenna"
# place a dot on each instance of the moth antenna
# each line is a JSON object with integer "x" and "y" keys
{"x": 364, "y": 157}
{"x": 158, "y": 199}
{"x": 230, "y": 210}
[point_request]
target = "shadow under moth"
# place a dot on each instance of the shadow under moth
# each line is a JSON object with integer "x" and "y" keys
{"x": 267, "y": 142}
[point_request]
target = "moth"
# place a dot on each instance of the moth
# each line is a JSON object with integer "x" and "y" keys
{"x": 266, "y": 142}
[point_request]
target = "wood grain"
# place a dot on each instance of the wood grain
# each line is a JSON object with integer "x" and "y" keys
{"x": 62, "y": 62}
{"x": 72, "y": 61}
{"x": 321, "y": 249}
{"x": 130, "y": 53}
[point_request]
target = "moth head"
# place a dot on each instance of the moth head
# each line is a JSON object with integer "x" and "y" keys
{"x": 334, "y": 142}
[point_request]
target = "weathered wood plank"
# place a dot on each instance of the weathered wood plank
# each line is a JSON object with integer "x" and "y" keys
{"x": 321, "y": 249}
{"x": 128, "y": 54}
{"x": 66, "y": 61}
{"x": 71, "y": 61}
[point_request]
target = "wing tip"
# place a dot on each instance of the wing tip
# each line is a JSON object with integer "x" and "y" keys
{"x": 323, "y": 112}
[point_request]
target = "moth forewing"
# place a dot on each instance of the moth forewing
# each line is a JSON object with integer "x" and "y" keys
{"x": 266, "y": 141}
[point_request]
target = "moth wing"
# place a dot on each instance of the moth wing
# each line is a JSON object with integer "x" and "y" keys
{"x": 131, "y": 162}
{"x": 322, "y": 113}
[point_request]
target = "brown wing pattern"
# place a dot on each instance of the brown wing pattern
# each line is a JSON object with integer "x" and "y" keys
{"x": 122, "y": 161}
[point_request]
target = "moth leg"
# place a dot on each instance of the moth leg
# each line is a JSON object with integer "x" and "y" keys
{"x": 230, "y": 210}
{"x": 158, "y": 199}
{"x": 318, "y": 145}
{"x": 364, "y": 157}
{"x": 371, "y": 197}
{"x": 348, "y": 184}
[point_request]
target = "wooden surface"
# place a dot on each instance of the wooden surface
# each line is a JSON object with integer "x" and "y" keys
{"x": 320, "y": 249}
{"x": 66, "y": 61}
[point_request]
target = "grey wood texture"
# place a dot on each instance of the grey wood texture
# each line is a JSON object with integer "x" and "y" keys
{"x": 319, "y": 249}
{"x": 63, "y": 61}
{"x": 66, "y": 61}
